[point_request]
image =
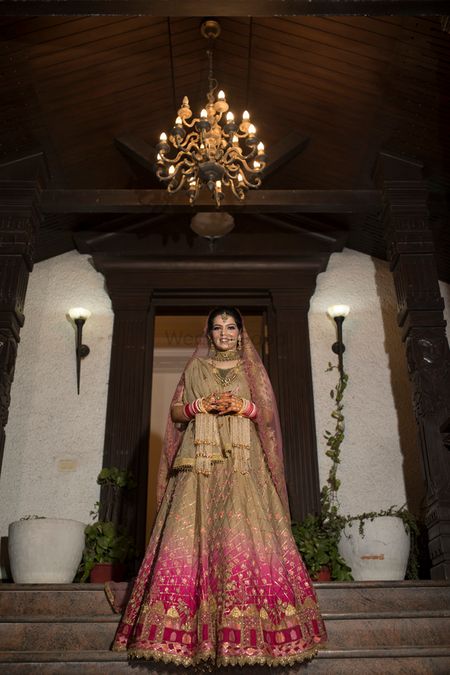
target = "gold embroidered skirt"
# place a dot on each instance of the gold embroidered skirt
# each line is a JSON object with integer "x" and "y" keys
{"x": 222, "y": 579}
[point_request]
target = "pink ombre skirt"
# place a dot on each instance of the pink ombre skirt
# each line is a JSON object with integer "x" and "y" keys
{"x": 222, "y": 579}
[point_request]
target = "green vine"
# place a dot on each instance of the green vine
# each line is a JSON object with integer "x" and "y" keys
{"x": 328, "y": 496}
{"x": 329, "y": 499}
{"x": 317, "y": 536}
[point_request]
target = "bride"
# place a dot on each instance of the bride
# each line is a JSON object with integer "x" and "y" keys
{"x": 222, "y": 580}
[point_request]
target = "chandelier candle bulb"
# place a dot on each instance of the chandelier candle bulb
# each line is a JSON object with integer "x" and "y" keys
{"x": 171, "y": 170}
{"x": 221, "y": 95}
{"x": 163, "y": 137}
{"x": 245, "y": 124}
{"x": 252, "y": 130}
{"x": 230, "y": 116}
{"x": 203, "y": 114}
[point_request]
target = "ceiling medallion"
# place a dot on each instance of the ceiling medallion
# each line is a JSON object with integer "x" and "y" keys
{"x": 211, "y": 149}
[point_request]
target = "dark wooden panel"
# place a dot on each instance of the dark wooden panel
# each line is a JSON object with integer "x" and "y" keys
{"x": 224, "y": 7}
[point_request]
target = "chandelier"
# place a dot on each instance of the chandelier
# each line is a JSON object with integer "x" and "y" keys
{"x": 212, "y": 149}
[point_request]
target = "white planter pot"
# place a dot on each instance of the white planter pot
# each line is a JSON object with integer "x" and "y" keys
{"x": 381, "y": 554}
{"x": 45, "y": 550}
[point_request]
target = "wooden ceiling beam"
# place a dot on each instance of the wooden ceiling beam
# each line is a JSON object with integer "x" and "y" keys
{"x": 234, "y": 8}
{"x": 257, "y": 201}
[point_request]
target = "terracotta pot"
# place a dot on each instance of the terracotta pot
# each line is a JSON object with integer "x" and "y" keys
{"x": 324, "y": 574}
{"x": 103, "y": 572}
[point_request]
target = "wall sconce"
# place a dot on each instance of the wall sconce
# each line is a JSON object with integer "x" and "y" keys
{"x": 338, "y": 313}
{"x": 79, "y": 316}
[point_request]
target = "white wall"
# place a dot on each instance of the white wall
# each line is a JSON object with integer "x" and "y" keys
{"x": 380, "y": 454}
{"x": 54, "y": 438}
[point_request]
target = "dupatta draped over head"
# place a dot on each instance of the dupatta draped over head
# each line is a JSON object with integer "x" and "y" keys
{"x": 267, "y": 421}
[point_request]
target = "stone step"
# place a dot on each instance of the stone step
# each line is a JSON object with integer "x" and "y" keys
{"x": 345, "y": 631}
{"x": 412, "y": 660}
{"x": 54, "y": 599}
{"x": 383, "y": 596}
{"x": 366, "y": 631}
{"x": 52, "y": 633}
{"x": 83, "y": 599}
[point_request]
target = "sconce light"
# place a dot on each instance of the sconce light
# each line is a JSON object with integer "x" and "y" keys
{"x": 338, "y": 313}
{"x": 79, "y": 316}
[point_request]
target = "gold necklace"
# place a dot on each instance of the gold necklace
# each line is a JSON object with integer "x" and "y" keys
{"x": 225, "y": 378}
{"x": 228, "y": 355}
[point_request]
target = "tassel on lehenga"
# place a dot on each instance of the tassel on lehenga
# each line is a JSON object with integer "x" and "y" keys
{"x": 240, "y": 443}
{"x": 207, "y": 441}
{"x": 206, "y": 438}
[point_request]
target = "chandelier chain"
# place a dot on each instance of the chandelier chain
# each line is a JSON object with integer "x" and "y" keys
{"x": 212, "y": 82}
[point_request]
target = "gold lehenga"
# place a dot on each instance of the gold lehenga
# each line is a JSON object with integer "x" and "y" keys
{"x": 222, "y": 579}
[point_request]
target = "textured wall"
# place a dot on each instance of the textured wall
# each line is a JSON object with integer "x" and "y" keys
{"x": 54, "y": 438}
{"x": 380, "y": 455}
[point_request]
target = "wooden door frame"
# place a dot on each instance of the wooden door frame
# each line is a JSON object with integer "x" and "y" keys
{"x": 140, "y": 288}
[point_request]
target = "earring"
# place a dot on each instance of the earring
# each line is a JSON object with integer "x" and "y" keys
{"x": 239, "y": 342}
{"x": 212, "y": 349}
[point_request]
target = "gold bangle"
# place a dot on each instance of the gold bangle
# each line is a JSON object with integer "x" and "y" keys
{"x": 201, "y": 405}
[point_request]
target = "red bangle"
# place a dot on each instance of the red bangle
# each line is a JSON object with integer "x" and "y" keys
{"x": 248, "y": 410}
{"x": 253, "y": 411}
{"x": 188, "y": 412}
{"x": 192, "y": 409}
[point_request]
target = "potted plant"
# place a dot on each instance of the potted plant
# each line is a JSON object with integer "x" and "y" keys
{"x": 107, "y": 550}
{"x": 319, "y": 549}
{"x": 45, "y": 550}
{"x": 379, "y": 549}
{"x": 383, "y": 546}
{"x": 321, "y": 533}
{"x": 108, "y": 547}
{"x": 317, "y": 536}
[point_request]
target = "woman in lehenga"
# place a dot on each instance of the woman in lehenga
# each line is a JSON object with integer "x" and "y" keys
{"x": 222, "y": 580}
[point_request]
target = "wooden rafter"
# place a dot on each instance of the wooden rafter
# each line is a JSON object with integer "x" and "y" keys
{"x": 257, "y": 201}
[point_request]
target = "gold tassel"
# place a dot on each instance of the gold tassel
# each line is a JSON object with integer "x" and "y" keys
{"x": 206, "y": 438}
{"x": 240, "y": 441}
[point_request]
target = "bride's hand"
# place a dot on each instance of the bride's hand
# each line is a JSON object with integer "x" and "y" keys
{"x": 229, "y": 404}
{"x": 211, "y": 403}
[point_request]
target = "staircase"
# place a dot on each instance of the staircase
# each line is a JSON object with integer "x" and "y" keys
{"x": 374, "y": 627}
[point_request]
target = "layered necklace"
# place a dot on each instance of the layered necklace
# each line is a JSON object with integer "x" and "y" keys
{"x": 225, "y": 376}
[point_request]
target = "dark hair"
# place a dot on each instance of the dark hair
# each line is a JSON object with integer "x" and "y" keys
{"x": 231, "y": 311}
